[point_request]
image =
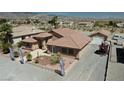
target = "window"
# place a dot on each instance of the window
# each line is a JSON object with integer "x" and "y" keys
{"x": 70, "y": 51}
{"x": 64, "y": 50}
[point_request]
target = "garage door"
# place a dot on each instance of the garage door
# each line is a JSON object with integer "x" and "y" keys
{"x": 97, "y": 40}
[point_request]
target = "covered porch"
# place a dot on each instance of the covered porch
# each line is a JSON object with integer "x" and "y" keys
{"x": 42, "y": 39}
{"x": 30, "y": 44}
{"x": 70, "y": 52}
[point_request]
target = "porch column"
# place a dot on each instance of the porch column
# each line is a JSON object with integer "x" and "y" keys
{"x": 43, "y": 44}
{"x": 52, "y": 49}
{"x": 77, "y": 54}
{"x": 67, "y": 51}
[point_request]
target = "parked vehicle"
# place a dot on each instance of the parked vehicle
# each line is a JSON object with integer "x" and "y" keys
{"x": 116, "y": 37}
{"x": 103, "y": 48}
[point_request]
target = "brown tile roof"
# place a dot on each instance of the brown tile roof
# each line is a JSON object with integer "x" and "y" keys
{"x": 64, "y": 31}
{"x": 71, "y": 39}
{"x": 103, "y": 32}
{"x": 29, "y": 40}
{"x": 43, "y": 35}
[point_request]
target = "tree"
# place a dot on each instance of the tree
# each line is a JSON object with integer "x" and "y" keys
{"x": 3, "y": 20}
{"x": 6, "y": 27}
{"x": 6, "y": 33}
{"x": 5, "y": 47}
{"x": 54, "y": 22}
{"x": 6, "y": 38}
{"x": 112, "y": 23}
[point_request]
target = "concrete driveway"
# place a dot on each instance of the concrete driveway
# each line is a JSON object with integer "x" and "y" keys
{"x": 97, "y": 40}
{"x": 91, "y": 66}
{"x": 12, "y": 71}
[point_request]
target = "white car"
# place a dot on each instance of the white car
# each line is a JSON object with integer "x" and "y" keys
{"x": 116, "y": 37}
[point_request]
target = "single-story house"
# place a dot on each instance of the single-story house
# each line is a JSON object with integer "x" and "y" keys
{"x": 99, "y": 36}
{"x": 67, "y": 41}
{"x": 24, "y": 31}
{"x": 63, "y": 40}
{"x": 120, "y": 25}
{"x": 86, "y": 23}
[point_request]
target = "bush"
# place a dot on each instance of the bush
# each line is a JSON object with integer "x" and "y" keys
{"x": 55, "y": 58}
{"x": 121, "y": 31}
{"x": 19, "y": 44}
{"x": 5, "y": 48}
{"x": 16, "y": 54}
{"x": 29, "y": 57}
{"x": 36, "y": 61}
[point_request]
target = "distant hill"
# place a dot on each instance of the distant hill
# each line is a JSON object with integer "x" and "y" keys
{"x": 42, "y": 16}
{"x": 14, "y": 15}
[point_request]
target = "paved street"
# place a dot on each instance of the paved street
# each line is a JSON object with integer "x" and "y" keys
{"x": 90, "y": 67}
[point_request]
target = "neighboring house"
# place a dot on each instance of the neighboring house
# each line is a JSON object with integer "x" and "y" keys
{"x": 99, "y": 36}
{"x": 120, "y": 25}
{"x": 118, "y": 39}
{"x": 87, "y": 24}
{"x": 67, "y": 41}
{"x": 24, "y": 31}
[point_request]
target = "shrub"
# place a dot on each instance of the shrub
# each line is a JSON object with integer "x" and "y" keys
{"x": 29, "y": 57}
{"x": 121, "y": 31}
{"x": 16, "y": 54}
{"x": 54, "y": 58}
{"x": 5, "y": 48}
{"x": 36, "y": 61}
{"x": 19, "y": 44}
